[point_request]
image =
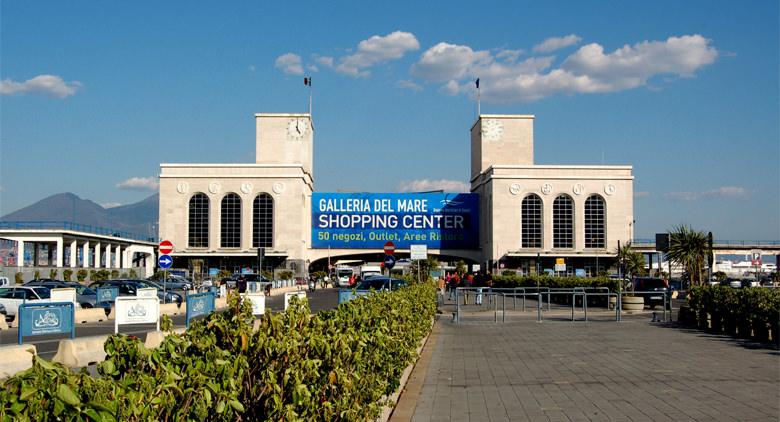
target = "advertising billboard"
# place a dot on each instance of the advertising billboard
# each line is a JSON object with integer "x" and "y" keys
{"x": 369, "y": 220}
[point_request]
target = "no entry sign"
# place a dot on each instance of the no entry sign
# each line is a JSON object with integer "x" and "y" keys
{"x": 166, "y": 247}
{"x": 389, "y": 248}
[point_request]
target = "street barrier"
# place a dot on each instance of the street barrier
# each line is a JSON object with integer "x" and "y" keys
{"x": 257, "y": 300}
{"x": 15, "y": 359}
{"x": 155, "y": 338}
{"x": 36, "y": 319}
{"x": 136, "y": 310}
{"x": 301, "y": 295}
{"x": 63, "y": 295}
{"x": 170, "y": 309}
{"x": 201, "y": 304}
{"x": 107, "y": 294}
{"x": 146, "y": 292}
{"x": 81, "y": 352}
{"x": 90, "y": 315}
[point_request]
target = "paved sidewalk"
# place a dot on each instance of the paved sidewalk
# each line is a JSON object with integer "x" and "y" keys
{"x": 594, "y": 371}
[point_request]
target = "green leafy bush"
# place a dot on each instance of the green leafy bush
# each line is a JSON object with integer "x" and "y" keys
{"x": 67, "y": 274}
{"x": 81, "y": 275}
{"x": 53, "y": 273}
{"x": 336, "y": 365}
{"x": 748, "y": 312}
{"x": 19, "y": 278}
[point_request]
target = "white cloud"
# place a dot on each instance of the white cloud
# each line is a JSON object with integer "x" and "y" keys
{"x": 425, "y": 185}
{"x": 723, "y": 192}
{"x": 325, "y": 61}
{"x": 139, "y": 183}
{"x": 556, "y": 43}
{"x": 51, "y": 85}
{"x": 108, "y": 205}
{"x": 410, "y": 85}
{"x": 445, "y": 62}
{"x": 289, "y": 63}
{"x": 377, "y": 49}
{"x": 588, "y": 70}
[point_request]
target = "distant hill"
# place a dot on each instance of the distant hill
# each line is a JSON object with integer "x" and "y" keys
{"x": 139, "y": 218}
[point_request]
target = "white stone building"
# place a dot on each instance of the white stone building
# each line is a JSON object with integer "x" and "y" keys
{"x": 218, "y": 215}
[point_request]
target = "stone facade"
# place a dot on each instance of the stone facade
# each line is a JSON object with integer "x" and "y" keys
{"x": 502, "y": 173}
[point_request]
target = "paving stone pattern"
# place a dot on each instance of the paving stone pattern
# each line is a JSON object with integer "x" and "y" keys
{"x": 595, "y": 371}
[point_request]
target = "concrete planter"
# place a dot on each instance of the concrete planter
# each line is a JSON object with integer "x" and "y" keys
{"x": 633, "y": 303}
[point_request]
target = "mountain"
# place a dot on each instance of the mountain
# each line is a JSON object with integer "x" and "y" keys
{"x": 138, "y": 218}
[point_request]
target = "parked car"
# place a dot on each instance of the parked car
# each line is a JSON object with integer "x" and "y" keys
{"x": 130, "y": 288}
{"x": 652, "y": 289}
{"x": 85, "y": 296}
{"x": 173, "y": 282}
{"x": 381, "y": 283}
{"x": 734, "y": 283}
{"x": 750, "y": 282}
{"x": 3, "y": 312}
{"x": 13, "y": 296}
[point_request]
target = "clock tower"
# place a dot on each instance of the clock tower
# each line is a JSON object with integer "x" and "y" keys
{"x": 501, "y": 138}
{"x": 285, "y": 138}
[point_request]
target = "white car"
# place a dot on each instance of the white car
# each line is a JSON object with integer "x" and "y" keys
{"x": 12, "y": 297}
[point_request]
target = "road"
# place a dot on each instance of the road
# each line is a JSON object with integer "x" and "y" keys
{"x": 321, "y": 299}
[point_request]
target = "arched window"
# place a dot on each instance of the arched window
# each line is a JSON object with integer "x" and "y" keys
{"x": 263, "y": 221}
{"x": 531, "y": 221}
{"x": 563, "y": 222}
{"x": 199, "y": 221}
{"x": 595, "y": 215}
{"x": 231, "y": 221}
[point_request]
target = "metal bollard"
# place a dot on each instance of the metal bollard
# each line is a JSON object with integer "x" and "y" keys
{"x": 573, "y": 301}
{"x": 586, "y": 307}
{"x": 503, "y": 307}
{"x": 495, "y": 311}
{"x": 457, "y": 306}
{"x": 538, "y": 306}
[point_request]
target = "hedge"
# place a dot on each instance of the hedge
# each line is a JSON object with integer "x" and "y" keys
{"x": 336, "y": 365}
{"x": 555, "y": 282}
{"x": 749, "y": 312}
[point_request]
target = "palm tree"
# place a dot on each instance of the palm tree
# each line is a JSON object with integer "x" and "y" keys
{"x": 633, "y": 262}
{"x": 689, "y": 248}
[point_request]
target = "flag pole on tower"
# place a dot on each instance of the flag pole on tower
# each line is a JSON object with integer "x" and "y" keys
{"x": 307, "y": 81}
{"x": 478, "y": 99}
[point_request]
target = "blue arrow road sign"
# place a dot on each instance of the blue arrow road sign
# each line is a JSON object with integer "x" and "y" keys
{"x": 389, "y": 262}
{"x": 165, "y": 261}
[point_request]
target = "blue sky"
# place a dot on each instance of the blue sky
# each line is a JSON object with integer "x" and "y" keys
{"x": 96, "y": 94}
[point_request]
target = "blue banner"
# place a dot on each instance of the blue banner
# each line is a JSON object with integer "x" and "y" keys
{"x": 36, "y": 319}
{"x": 369, "y": 220}
{"x": 107, "y": 294}
{"x": 200, "y": 304}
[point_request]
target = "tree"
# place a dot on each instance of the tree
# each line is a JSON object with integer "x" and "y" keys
{"x": 632, "y": 262}
{"x": 689, "y": 248}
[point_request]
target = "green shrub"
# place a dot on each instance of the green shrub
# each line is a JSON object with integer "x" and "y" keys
{"x": 114, "y": 273}
{"x": 748, "y": 311}
{"x": 286, "y": 274}
{"x": 132, "y": 274}
{"x": 81, "y": 275}
{"x": 336, "y": 365}
{"x": 19, "y": 278}
{"x": 67, "y": 274}
{"x": 53, "y": 274}
{"x": 37, "y": 275}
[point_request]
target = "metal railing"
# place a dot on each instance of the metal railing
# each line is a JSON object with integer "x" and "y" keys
{"x": 493, "y": 294}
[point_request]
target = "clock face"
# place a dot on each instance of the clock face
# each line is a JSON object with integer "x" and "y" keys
{"x": 297, "y": 128}
{"x": 492, "y": 129}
